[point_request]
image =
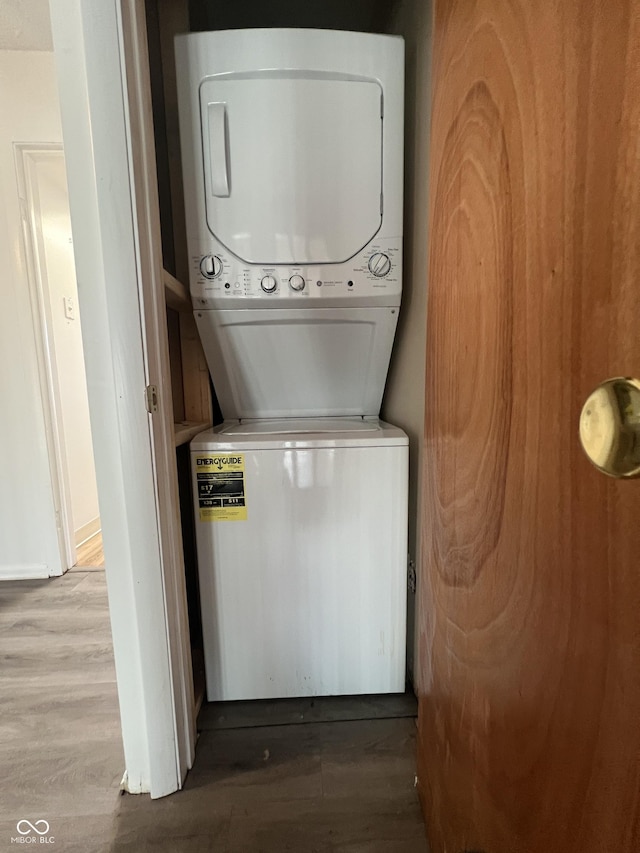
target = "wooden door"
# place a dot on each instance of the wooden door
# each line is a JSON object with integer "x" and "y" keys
{"x": 529, "y": 644}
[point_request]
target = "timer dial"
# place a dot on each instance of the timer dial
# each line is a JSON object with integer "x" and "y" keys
{"x": 379, "y": 264}
{"x": 268, "y": 283}
{"x": 211, "y": 266}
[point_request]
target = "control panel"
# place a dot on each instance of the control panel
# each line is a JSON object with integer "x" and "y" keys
{"x": 218, "y": 277}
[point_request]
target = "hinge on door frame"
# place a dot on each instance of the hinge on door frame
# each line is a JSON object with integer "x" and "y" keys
{"x": 151, "y": 397}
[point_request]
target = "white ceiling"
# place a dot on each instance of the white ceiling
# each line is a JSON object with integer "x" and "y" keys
{"x": 25, "y": 25}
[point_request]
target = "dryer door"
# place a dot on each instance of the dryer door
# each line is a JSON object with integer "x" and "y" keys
{"x": 284, "y": 363}
{"x": 293, "y": 165}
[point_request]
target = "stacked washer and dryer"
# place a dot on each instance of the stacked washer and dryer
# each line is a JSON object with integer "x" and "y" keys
{"x": 292, "y": 150}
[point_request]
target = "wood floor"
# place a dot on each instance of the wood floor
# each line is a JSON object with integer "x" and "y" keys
{"x": 90, "y": 554}
{"x": 311, "y": 786}
{"x": 60, "y": 745}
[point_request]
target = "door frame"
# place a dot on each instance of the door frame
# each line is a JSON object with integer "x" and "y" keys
{"x": 26, "y": 156}
{"x": 102, "y": 66}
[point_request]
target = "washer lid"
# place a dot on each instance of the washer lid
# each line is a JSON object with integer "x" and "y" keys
{"x": 299, "y": 426}
{"x": 292, "y": 163}
{"x": 298, "y": 433}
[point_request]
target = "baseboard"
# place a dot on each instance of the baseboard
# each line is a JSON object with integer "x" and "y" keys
{"x": 82, "y": 534}
{"x": 24, "y": 572}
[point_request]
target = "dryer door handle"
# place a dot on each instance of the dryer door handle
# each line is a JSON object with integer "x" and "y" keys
{"x": 218, "y": 149}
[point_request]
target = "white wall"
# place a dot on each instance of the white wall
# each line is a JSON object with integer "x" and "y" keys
{"x": 404, "y": 396}
{"x": 28, "y": 534}
{"x": 60, "y": 273}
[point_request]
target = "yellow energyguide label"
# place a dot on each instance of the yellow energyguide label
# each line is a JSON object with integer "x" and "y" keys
{"x": 220, "y": 485}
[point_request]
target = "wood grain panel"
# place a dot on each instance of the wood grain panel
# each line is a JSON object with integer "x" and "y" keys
{"x": 91, "y": 553}
{"x": 529, "y": 645}
{"x": 175, "y": 365}
{"x": 172, "y": 18}
{"x": 474, "y": 267}
{"x": 197, "y": 388}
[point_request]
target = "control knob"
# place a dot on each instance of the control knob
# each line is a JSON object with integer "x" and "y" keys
{"x": 268, "y": 283}
{"x": 211, "y": 266}
{"x": 379, "y": 264}
{"x": 296, "y": 282}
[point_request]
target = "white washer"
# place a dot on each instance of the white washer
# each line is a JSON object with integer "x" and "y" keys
{"x": 292, "y": 147}
{"x": 304, "y": 594}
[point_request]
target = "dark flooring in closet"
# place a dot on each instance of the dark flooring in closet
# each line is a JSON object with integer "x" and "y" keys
{"x": 301, "y": 776}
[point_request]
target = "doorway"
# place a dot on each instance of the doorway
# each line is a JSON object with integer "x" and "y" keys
{"x": 42, "y": 183}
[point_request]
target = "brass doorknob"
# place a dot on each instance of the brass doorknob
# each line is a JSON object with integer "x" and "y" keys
{"x": 610, "y": 427}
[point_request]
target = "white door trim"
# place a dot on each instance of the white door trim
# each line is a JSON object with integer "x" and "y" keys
{"x": 149, "y": 247}
{"x": 26, "y": 157}
{"x": 117, "y": 255}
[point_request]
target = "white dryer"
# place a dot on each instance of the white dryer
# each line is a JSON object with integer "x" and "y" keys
{"x": 292, "y": 147}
